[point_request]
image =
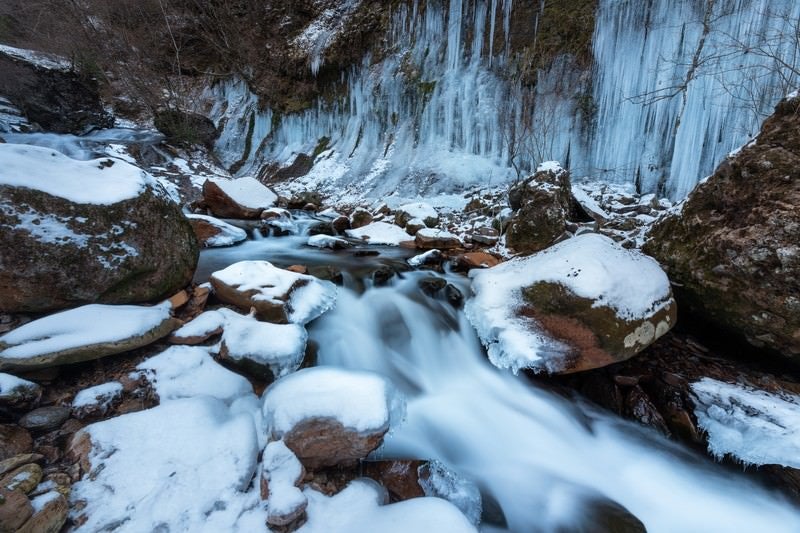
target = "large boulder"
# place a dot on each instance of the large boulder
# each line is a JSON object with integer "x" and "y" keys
{"x": 185, "y": 128}
{"x": 542, "y": 205}
{"x": 581, "y": 304}
{"x": 733, "y": 249}
{"x": 86, "y": 231}
{"x": 49, "y": 93}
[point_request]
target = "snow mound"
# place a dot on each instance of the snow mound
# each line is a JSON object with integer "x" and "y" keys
{"x": 83, "y": 326}
{"x": 380, "y": 233}
{"x": 362, "y": 401}
{"x": 592, "y": 266}
{"x": 278, "y": 347}
{"x": 100, "y": 395}
{"x": 170, "y": 468}
{"x": 358, "y": 509}
{"x": 227, "y": 235}
{"x": 188, "y": 371}
{"x": 756, "y": 427}
{"x": 423, "y": 258}
{"x": 282, "y": 471}
{"x": 247, "y": 192}
{"x": 419, "y": 210}
{"x": 98, "y": 181}
{"x": 306, "y": 296}
{"x": 201, "y": 326}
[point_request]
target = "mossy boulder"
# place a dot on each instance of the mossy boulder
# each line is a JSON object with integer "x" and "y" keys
{"x": 733, "y": 250}
{"x": 541, "y": 205}
{"x": 184, "y": 128}
{"x": 596, "y": 335}
{"x": 66, "y": 254}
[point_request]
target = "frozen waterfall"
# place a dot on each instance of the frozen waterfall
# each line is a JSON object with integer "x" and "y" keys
{"x": 675, "y": 86}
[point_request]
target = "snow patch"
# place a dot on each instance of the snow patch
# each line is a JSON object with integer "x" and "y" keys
{"x": 380, "y": 233}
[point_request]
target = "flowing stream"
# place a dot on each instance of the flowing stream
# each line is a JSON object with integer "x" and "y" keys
{"x": 543, "y": 462}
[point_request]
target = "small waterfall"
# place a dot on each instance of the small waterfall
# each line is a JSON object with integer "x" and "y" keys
{"x": 675, "y": 86}
{"x": 541, "y": 458}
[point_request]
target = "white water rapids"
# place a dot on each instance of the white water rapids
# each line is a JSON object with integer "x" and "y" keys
{"x": 539, "y": 456}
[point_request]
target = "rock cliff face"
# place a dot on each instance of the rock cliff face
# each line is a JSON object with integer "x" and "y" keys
{"x": 733, "y": 251}
{"x": 56, "y": 100}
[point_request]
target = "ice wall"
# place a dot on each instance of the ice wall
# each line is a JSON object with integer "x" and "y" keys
{"x": 670, "y": 93}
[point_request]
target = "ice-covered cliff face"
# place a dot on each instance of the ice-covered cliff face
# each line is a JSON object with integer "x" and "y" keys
{"x": 675, "y": 85}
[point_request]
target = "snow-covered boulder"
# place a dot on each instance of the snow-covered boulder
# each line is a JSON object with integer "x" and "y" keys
{"x": 281, "y": 476}
{"x": 82, "y": 334}
{"x": 174, "y": 467}
{"x": 380, "y": 233}
{"x": 326, "y": 241}
{"x": 200, "y": 329}
{"x": 237, "y": 198}
{"x": 329, "y": 416}
{"x": 277, "y": 295}
{"x": 360, "y": 508}
{"x": 418, "y": 210}
{"x": 584, "y": 303}
{"x": 262, "y": 349}
{"x": 18, "y": 393}
{"x": 86, "y": 231}
{"x": 429, "y": 238}
{"x": 213, "y": 232}
{"x": 96, "y": 401}
{"x": 188, "y": 371}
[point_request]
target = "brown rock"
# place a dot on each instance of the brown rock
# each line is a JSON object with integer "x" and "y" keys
{"x": 341, "y": 224}
{"x": 472, "y": 260}
{"x": 14, "y": 440}
{"x": 360, "y": 218}
{"x": 320, "y": 442}
{"x": 300, "y": 269}
{"x": 429, "y": 239}
{"x": 15, "y": 510}
{"x": 486, "y": 236}
{"x": 24, "y": 479}
{"x": 399, "y": 476}
{"x": 50, "y": 518}
{"x": 733, "y": 252}
{"x": 78, "y": 451}
{"x": 12, "y": 463}
{"x": 222, "y": 205}
{"x": 179, "y": 299}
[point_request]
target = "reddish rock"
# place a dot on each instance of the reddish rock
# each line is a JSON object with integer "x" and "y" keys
{"x": 399, "y": 476}
{"x": 14, "y": 440}
{"x": 472, "y": 260}
{"x": 15, "y": 510}
{"x": 320, "y": 442}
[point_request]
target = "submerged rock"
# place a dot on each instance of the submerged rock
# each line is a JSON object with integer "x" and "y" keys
{"x": 86, "y": 231}
{"x": 733, "y": 249}
{"x": 582, "y": 304}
